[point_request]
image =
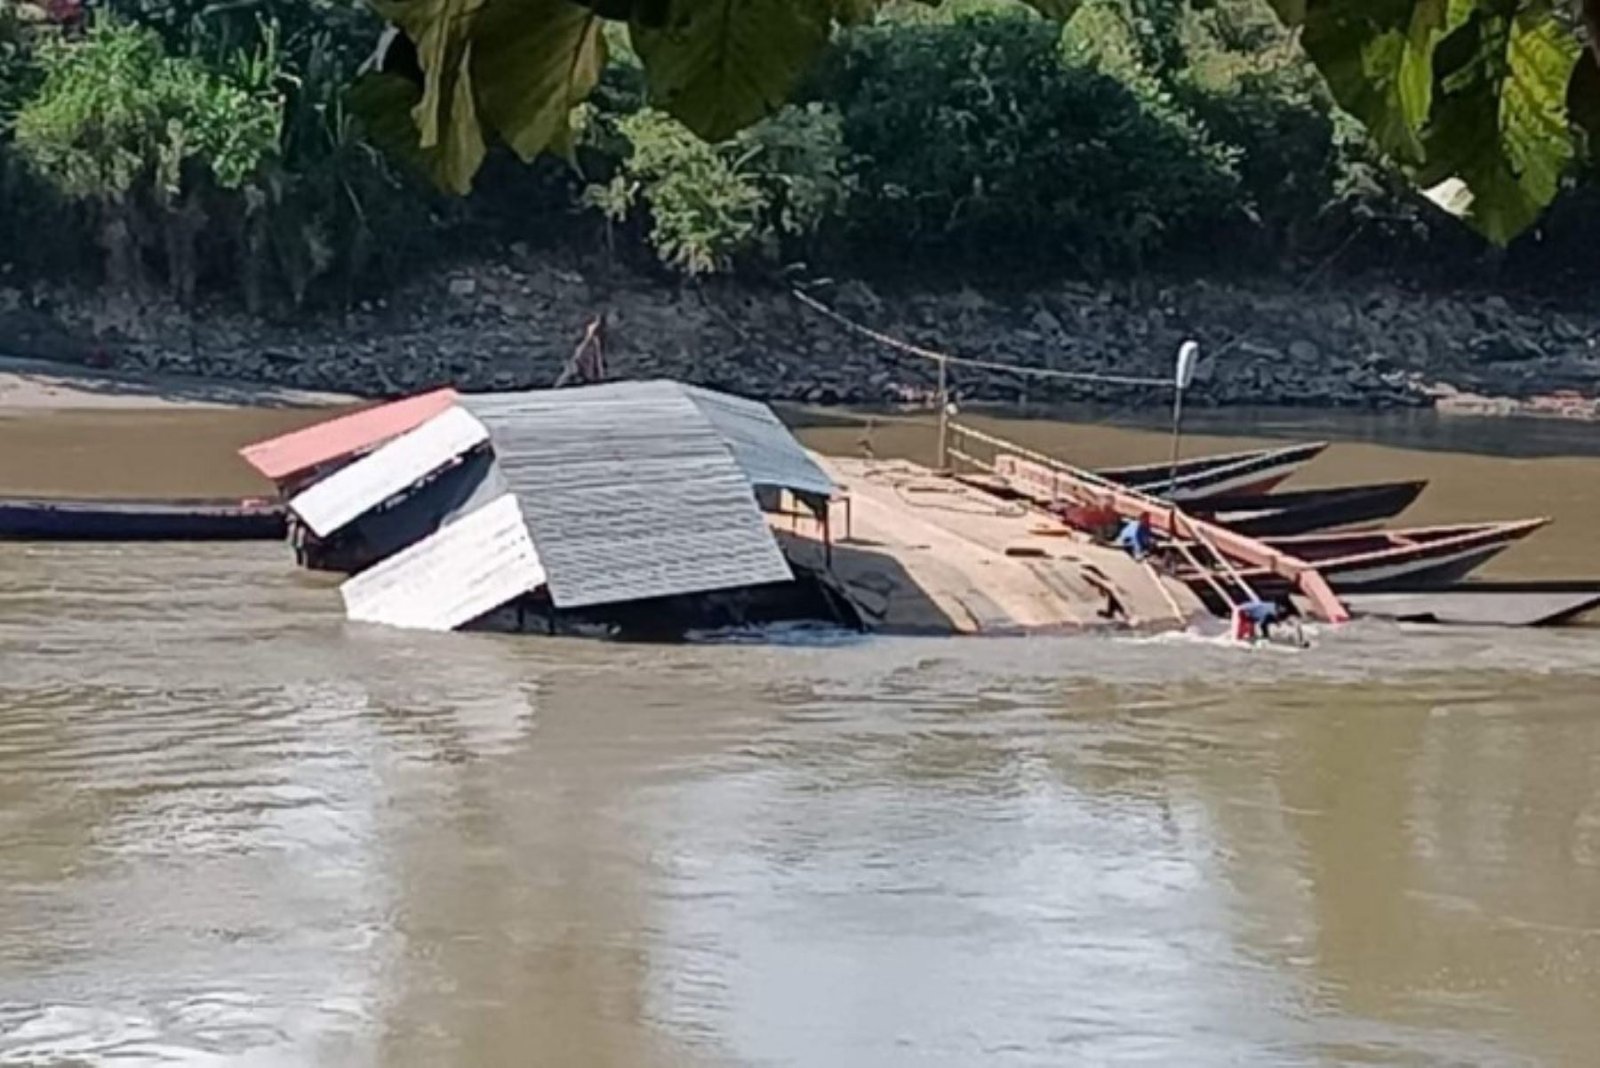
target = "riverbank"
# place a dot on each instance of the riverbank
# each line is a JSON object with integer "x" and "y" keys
{"x": 43, "y": 385}
{"x": 512, "y": 322}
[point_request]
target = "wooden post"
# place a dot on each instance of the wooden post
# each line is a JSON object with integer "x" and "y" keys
{"x": 1177, "y": 440}
{"x": 944, "y": 414}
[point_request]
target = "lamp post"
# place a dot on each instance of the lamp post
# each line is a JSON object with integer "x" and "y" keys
{"x": 1182, "y": 378}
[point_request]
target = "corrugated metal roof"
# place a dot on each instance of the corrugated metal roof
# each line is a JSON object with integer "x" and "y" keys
{"x": 468, "y": 568}
{"x": 763, "y": 446}
{"x": 373, "y": 479}
{"x": 630, "y": 492}
{"x": 281, "y": 457}
{"x": 442, "y": 499}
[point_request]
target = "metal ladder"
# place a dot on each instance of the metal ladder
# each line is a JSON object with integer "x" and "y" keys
{"x": 1209, "y": 571}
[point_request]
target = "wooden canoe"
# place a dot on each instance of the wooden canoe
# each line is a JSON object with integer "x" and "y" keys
{"x": 1306, "y": 511}
{"x": 1229, "y": 474}
{"x": 1417, "y": 558}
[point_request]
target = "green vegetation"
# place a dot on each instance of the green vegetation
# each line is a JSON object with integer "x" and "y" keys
{"x": 1485, "y": 102}
{"x": 209, "y": 147}
{"x": 220, "y": 149}
{"x": 710, "y": 207}
{"x": 139, "y": 138}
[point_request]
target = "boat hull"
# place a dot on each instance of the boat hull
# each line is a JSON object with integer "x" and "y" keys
{"x": 26, "y": 519}
{"x": 1483, "y": 604}
{"x": 1217, "y": 476}
{"x": 1307, "y": 511}
{"x": 1422, "y": 559}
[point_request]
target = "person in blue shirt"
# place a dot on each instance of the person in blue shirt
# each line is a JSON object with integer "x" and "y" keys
{"x": 1136, "y": 538}
{"x": 1259, "y": 617}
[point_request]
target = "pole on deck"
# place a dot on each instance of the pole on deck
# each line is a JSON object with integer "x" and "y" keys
{"x": 944, "y": 414}
{"x": 1183, "y": 376}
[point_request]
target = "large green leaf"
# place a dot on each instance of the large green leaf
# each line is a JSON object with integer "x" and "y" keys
{"x": 534, "y": 61}
{"x": 445, "y": 115}
{"x": 387, "y": 104}
{"x": 516, "y": 68}
{"x": 1501, "y": 124}
{"x": 1060, "y": 10}
{"x": 1378, "y": 61}
{"x": 719, "y": 65}
{"x": 510, "y": 68}
{"x": 440, "y": 30}
{"x": 1471, "y": 95}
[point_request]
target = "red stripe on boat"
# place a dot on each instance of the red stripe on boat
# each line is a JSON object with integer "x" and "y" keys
{"x": 282, "y": 457}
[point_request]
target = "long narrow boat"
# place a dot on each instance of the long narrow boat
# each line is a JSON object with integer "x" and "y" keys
{"x": 1368, "y": 561}
{"x": 47, "y": 519}
{"x": 1534, "y": 603}
{"x": 1306, "y": 511}
{"x": 1251, "y": 472}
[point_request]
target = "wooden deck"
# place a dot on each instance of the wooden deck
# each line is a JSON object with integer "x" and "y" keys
{"x": 919, "y": 552}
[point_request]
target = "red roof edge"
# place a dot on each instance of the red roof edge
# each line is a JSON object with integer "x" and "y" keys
{"x": 281, "y": 457}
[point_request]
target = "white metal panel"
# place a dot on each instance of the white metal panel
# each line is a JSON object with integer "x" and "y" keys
{"x": 367, "y": 483}
{"x": 466, "y": 569}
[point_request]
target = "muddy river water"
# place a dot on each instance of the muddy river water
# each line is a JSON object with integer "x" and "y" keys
{"x": 234, "y": 830}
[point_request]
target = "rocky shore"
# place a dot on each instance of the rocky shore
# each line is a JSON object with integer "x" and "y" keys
{"x": 514, "y": 322}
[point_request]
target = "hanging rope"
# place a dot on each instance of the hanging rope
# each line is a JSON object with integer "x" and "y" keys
{"x": 963, "y": 361}
{"x": 1210, "y": 355}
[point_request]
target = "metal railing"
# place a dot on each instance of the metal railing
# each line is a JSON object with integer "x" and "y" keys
{"x": 960, "y": 436}
{"x": 1067, "y": 482}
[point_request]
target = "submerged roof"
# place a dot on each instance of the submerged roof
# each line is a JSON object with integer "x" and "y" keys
{"x": 291, "y": 454}
{"x": 467, "y": 568}
{"x": 404, "y": 461}
{"x": 631, "y": 490}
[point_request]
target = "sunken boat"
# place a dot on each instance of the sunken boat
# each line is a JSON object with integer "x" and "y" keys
{"x": 654, "y": 510}
{"x": 636, "y": 508}
{"x": 1479, "y": 603}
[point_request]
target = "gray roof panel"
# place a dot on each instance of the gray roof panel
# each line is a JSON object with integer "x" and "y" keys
{"x": 629, "y": 492}
{"x": 763, "y": 446}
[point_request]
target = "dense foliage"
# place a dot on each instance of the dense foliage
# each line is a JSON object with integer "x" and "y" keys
{"x": 138, "y": 137}
{"x": 209, "y": 146}
{"x": 1486, "y": 103}
{"x": 975, "y": 140}
{"x": 216, "y": 149}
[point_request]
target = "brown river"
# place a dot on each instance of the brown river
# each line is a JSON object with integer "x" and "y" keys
{"x": 236, "y": 831}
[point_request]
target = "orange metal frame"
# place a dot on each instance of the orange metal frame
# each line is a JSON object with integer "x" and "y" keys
{"x": 1047, "y": 478}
